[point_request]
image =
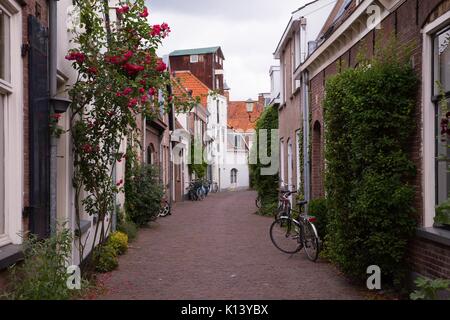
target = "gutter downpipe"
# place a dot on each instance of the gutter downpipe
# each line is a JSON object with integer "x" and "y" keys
{"x": 53, "y": 67}
{"x": 306, "y": 129}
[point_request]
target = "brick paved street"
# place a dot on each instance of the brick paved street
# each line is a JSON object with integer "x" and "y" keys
{"x": 219, "y": 249}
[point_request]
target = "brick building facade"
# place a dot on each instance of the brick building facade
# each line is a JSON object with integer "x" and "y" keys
{"x": 343, "y": 37}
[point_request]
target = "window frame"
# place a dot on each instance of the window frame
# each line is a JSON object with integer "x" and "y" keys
{"x": 12, "y": 95}
{"x": 436, "y": 97}
{"x": 429, "y": 32}
{"x": 234, "y": 174}
{"x": 6, "y": 82}
{"x": 192, "y": 58}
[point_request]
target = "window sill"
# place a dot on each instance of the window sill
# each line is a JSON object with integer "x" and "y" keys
{"x": 438, "y": 235}
{"x": 9, "y": 255}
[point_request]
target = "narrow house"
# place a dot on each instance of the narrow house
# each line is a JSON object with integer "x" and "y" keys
{"x": 292, "y": 50}
{"x": 427, "y": 24}
{"x": 242, "y": 118}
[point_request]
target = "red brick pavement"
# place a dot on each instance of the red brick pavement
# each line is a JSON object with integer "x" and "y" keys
{"x": 219, "y": 249}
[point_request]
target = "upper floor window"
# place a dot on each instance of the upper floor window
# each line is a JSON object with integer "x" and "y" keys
{"x": 217, "y": 82}
{"x": 194, "y": 58}
{"x": 5, "y": 63}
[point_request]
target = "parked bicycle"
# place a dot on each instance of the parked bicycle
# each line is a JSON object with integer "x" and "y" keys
{"x": 197, "y": 190}
{"x": 290, "y": 235}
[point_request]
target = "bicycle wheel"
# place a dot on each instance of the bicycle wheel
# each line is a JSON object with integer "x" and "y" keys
{"x": 285, "y": 235}
{"x": 200, "y": 194}
{"x": 311, "y": 241}
{"x": 258, "y": 202}
{"x": 165, "y": 210}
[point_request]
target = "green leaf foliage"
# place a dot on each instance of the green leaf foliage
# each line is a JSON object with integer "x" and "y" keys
{"x": 143, "y": 192}
{"x": 369, "y": 120}
{"x": 265, "y": 185}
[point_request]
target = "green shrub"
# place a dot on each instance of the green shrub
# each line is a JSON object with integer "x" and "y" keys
{"x": 429, "y": 289}
{"x": 129, "y": 228}
{"x": 197, "y": 165}
{"x": 268, "y": 208}
{"x": 119, "y": 241}
{"x": 265, "y": 185}
{"x": 318, "y": 208}
{"x": 369, "y": 116}
{"x": 143, "y": 192}
{"x": 42, "y": 275}
{"x": 105, "y": 258}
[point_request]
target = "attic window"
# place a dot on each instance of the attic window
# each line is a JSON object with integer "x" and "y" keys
{"x": 194, "y": 58}
{"x": 344, "y": 8}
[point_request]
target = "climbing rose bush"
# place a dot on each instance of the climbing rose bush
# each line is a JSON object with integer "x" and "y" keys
{"x": 120, "y": 78}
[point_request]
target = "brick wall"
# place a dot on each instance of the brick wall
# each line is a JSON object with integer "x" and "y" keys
{"x": 429, "y": 258}
{"x": 290, "y": 119}
{"x": 426, "y": 257}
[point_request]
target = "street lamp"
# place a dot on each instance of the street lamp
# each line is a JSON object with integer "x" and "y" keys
{"x": 250, "y": 107}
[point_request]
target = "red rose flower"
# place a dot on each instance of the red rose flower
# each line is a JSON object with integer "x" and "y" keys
{"x": 144, "y": 14}
{"x": 141, "y": 90}
{"x": 152, "y": 91}
{"x": 127, "y": 91}
{"x": 113, "y": 59}
{"x": 123, "y": 9}
{"x": 144, "y": 99}
{"x": 92, "y": 70}
{"x": 87, "y": 148}
{"x": 76, "y": 56}
{"x": 132, "y": 103}
{"x": 161, "y": 66}
{"x": 127, "y": 56}
{"x": 133, "y": 69}
{"x": 156, "y": 30}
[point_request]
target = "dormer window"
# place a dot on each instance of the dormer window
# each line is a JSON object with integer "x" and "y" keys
{"x": 194, "y": 58}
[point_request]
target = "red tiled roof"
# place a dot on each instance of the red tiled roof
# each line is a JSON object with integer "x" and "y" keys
{"x": 238, "y": 116}
{"x": 189, "y": 82}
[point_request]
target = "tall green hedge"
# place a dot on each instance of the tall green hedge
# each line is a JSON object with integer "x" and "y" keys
{"x": 369, "y": 119}
{"x": 265, "y": 185}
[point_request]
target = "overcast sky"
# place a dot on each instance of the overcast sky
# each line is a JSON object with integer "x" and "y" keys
{"x": 247, "y": 30}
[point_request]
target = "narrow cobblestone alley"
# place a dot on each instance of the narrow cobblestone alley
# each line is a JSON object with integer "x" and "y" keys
{"x": 219, "y": 249}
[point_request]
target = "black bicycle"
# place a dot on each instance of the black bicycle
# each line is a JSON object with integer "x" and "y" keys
{"x": 291, "y": 235}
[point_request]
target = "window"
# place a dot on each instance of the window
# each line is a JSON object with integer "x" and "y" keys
{"x": 11, "y": 131}
{"x": 299, "y": 151}
{"x": 442, "y": 76}
{"x": 281, "y": 163}
{"x": 217, "y": 82}
{"x": 233, "y": 177}
{"x": 5, "y": 63}
{"x": 151, "y": 154}
{"x": 194, "y": 58}
{"x": 218, "y": 112}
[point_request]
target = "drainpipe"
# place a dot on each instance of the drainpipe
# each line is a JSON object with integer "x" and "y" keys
{"x": 306, "y": 127}
{"x": 171, "y": 131}
{"x": 53, "y": 51}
